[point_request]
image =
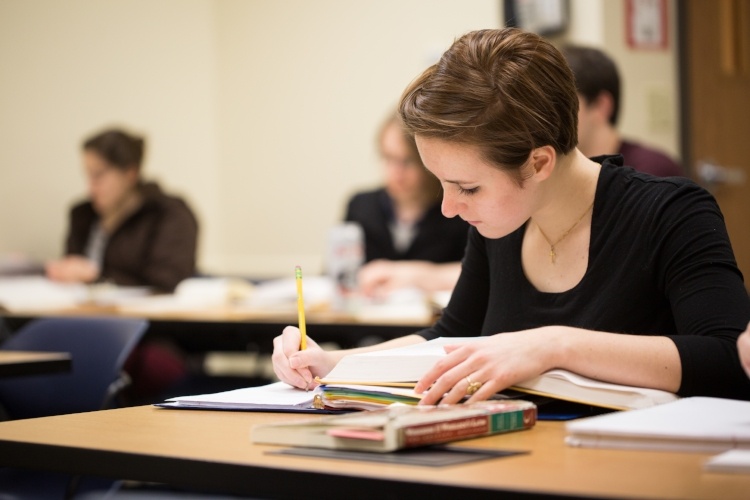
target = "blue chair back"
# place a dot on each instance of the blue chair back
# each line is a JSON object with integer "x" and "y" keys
{"x": 98, "y": 347}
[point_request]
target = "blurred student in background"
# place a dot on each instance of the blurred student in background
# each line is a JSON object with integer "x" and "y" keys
{"x": 408, "y": 241}
{"x": 598, "y": 87}
{"x": 128, "y": 232}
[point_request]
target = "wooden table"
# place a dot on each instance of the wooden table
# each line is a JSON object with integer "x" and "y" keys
{"x": 237, "y": 329}
{"x": 15, "y": 363}
{"x": 209, "y": 450}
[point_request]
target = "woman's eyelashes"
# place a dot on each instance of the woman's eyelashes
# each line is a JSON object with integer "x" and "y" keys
{"x": 467, "y": 191}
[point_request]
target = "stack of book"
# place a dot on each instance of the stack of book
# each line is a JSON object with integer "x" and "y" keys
{"x": 400, "y": 426}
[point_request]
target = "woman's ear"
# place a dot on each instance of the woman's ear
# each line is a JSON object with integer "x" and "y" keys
{"x": 133, "y": 174}
{"x": 542, "y": 162}
{"x": 604, "y": 105}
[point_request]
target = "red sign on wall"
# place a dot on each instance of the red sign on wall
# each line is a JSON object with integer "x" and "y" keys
{"x": 646, "y": 24}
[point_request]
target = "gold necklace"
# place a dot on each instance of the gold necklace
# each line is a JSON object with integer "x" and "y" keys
{"x": 552, "y": 253}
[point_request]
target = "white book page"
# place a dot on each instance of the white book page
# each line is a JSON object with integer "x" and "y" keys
{"x": 654, "y": 395}
{"x": 278, "y": 394}
{"x": 402, "y": 364}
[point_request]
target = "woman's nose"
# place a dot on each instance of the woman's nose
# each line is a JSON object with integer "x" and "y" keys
{"x": 449, "y": 205}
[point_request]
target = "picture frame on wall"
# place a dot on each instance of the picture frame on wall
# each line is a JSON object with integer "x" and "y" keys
{"x": 543, "y": 17}
{"x": 646, "y": 24}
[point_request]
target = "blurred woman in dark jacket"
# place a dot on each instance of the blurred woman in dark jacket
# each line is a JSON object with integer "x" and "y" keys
{"x": 129, "y": 232}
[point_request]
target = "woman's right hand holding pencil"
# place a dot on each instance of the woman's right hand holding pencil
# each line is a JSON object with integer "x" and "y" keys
{"x": 299, "y": 367}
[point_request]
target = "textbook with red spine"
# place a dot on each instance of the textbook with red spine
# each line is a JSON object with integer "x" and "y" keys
{"x": 401, "y": 426}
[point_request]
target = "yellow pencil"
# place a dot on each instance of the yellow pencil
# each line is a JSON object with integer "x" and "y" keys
{"x": 300, "y": 309}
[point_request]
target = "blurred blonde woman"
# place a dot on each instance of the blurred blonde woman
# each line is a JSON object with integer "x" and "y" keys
{"x": 408, "y": 241}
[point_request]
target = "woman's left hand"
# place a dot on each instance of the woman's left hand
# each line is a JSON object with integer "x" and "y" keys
{"x": 380, "y": 277}
{"x": 493, "y": 364}
{"x": 72, "y": 269}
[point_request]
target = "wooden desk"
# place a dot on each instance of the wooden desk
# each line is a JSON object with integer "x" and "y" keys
{"x": 286, "y": 315}
{"x": 212, "y": 323}
{"x": 15, "y": 363}
{"x": 212, "y": 451}
{"x": 229, "y": 328}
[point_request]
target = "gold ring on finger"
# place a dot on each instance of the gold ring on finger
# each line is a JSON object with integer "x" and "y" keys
{"x": 472, "y": 387}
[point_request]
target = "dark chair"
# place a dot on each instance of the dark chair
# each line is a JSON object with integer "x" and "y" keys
{"x": 99, "y": 348}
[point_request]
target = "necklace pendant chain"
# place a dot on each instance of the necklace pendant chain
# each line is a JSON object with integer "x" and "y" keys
{"x": 552, "y": 253}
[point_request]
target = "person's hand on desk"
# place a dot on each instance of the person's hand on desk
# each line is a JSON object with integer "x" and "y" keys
{"x": 72, "y": 269}
{"x": 491, "y": 364}
{"x": 299, "y": 368}
{"x": 380, "y": 277}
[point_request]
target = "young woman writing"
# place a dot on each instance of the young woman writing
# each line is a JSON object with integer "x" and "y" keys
{"x": 571, "y": 263}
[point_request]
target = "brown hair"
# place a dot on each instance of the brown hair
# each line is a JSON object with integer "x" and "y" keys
{"x": 503, "y": 91}
{"x": 118, "y": 148}
{"x": 395, "y": 119}
{"x": 595, "y": 72}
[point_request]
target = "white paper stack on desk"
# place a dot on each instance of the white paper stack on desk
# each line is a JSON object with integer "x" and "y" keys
{"x": 695, "y": 424}
{"x": 276, "y": 396}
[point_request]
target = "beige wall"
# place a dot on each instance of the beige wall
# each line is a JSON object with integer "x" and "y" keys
{"x": 650, "y": 93}
{"x": 70, "y": 68}
{"x": 650, "y": 78}
{"x": 262, "y": 113}
{"x": 303, "y": 88}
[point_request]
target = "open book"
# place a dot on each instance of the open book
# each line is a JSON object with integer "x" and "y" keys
{"x": 406, "y": 365}
{"x": 398, "y": 426}
{"x": 282, "y": 397}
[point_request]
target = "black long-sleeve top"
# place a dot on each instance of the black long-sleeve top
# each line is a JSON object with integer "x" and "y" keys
{"x": 660, "y": 263}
